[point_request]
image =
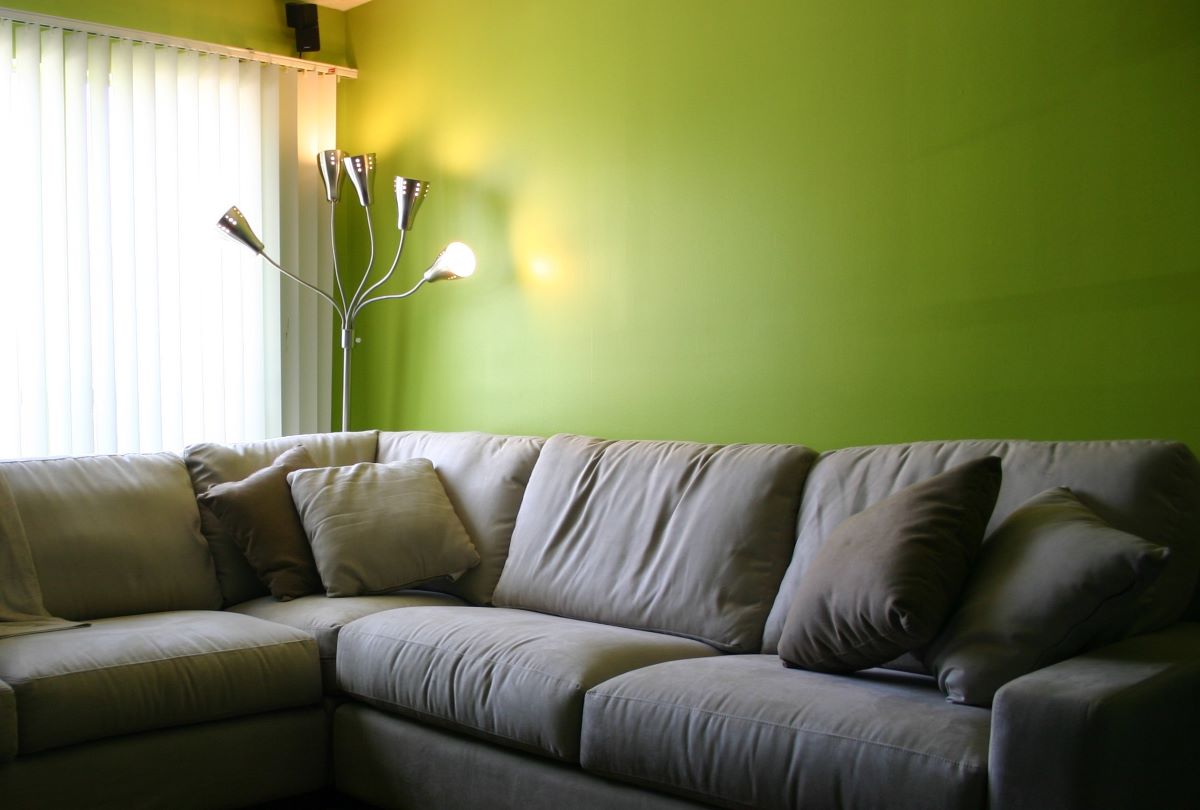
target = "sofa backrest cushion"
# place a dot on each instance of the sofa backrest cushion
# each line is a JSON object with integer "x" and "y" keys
{"x": 1147, "y": 488}
{"x": 113, "y": 535}
{"x": 485, "y": 478}
{"x": 209, "y": 464}
{"x": 675, "y": 537}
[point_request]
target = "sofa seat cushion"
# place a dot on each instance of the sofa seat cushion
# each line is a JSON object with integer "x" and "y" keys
{"x": 323, "y": 617}
{"x": 743, "y": 731}
{"x": 137, "y": 673}
{"x": 511, "y": 676}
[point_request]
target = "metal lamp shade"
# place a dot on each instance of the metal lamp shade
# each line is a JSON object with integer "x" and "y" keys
{"x": 409, "y": 196}
{"x": 329, "y": 163}
{"x": 234, "y": 225}
{"x": 361, "y": 170}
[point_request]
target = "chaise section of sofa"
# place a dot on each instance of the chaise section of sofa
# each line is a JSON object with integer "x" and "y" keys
{"x": 138, "y": 673}
{"x": 159, "y": 672}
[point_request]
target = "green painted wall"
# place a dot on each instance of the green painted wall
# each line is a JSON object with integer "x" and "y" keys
{"x": 257, "y": 24}
{"x": 826, "y": 222}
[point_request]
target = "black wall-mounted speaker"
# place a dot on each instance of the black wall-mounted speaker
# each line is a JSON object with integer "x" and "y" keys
{"x": 303, "y": 17}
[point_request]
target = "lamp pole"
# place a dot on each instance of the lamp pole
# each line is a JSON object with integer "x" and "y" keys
{"x": 454, "y": 262}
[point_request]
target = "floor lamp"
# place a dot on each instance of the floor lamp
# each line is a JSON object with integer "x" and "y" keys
{"x": 455, "y": 261}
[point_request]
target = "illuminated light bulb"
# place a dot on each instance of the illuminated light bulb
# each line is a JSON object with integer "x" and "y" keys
{"x": 457, "y": 260}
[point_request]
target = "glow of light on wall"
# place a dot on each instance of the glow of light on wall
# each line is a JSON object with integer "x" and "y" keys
{"x": 463, "y": 148}
{"x": 541, "y": 255}
{"x": 542, "y": 268}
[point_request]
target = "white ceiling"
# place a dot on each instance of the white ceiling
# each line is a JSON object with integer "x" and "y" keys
{"x": 340, "y": 5}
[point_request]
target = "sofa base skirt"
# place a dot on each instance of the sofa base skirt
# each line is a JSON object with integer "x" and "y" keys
{"x": 227, "y": 764}
{"x": 395, "y": 763}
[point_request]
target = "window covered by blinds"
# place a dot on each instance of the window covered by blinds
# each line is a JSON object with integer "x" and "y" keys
{"x": 127, "y": 322}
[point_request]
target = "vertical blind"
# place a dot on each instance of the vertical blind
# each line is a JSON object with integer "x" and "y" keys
{"x": 127, "y": 322}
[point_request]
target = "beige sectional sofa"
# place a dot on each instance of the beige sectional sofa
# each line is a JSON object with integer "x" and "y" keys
{"x": 616, "y": 646}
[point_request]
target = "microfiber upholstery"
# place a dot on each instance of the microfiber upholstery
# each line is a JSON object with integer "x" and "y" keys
{"x": 366, "y": 766}
{"x": 258, "y": 513}
{"x": 323, "y": 617}
{"x": 485, "y": 477}
{"x": 380, "y": 528}
{"x": 241, "y": 762}
{"x": 510, "y": 676}
{"x": 742, "y": 731}
{"x": 1150, "y": 489}
{"x": 1051, "y": 580}
{"x": 1111, "y": 729}
{"x": 888, "y": 577}
{"x": 138, "y": 673}
{"x": 673, "y": 537}
{"x": 209, "y": 464}
{"x": 113, "y": 535}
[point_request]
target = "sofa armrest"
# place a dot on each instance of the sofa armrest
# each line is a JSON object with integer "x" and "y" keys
{"x": 8, "y": 722}
{"x": 1114, "y": 728}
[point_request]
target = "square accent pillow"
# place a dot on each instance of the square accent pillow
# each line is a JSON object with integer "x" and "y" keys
{"x": 376, "y": 528}
{"x": 1052, "y": 579}
{"x": 259, "y": 515}
{"x": 885, "y": 580}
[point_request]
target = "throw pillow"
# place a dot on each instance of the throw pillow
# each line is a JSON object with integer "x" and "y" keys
{"x": 21, "y": 608}
{"x": 259, "y": 514}
{"x": 1050, "y": 580}
{"x": 886, "y": 579}
{"x": 376, "y": 528}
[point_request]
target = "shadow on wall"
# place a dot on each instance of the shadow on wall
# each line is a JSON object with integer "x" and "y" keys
{"x": 397, "y": 342}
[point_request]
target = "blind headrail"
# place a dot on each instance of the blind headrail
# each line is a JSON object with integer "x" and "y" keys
{"x": 149, "y": 38}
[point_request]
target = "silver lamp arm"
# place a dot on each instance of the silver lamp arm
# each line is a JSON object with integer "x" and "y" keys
{"x": 370, "y": 262}
{"x": 341, "y": 312}
{"x": 362, "y": 304}
{"x": 337, "y": 275}
{"x": 382, "y": 281}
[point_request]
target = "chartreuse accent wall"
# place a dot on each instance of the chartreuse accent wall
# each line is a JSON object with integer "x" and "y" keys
{"x": 788, "y": 220}
{"x": 825, "y": 222}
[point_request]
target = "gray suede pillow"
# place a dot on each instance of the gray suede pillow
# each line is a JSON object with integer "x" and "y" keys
{"x": 376, "y": 528}
{"x": 259, "y": 515}
{"x": 1052, "y": 579}
{"x": 885, "y": 580}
